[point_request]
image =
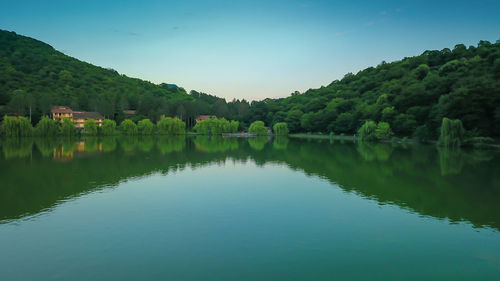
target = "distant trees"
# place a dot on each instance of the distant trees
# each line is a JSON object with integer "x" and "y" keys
{"x": 214, "y": 126}
{"x": 280, "y": 129}
{"x": 108, "y": 127}
{"x": 47, "y": 127}
{"x": 383, "y": 131}
{"x": 90, "y": 127}
{"x": 367, "y": 131}
{"x": 412, "y": 95}
{"x": 371, "y": 131}
{"x": 145, "y": 127}
{"x": 171, "y": 126}
{"x": 68, "y": 127}
{"x": 128, "y": 127}
{"x": 258, "y": 128}
{"x": 452, "y": 133}
{"x": 17, "y": 126}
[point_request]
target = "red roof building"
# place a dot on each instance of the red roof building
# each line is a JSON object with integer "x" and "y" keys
{"x": 204, "y": 117}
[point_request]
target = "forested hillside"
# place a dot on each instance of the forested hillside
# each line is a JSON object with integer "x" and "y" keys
{"x": 33, "y": 74}
{"x": 412, "y": 95}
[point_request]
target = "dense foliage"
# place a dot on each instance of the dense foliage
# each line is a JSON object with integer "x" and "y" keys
{"x": 367, "y": 131}
{"x": 90, "y": 127}
{"x": 171, "y": 126}
{"x": 17, "y": 127}
{"x": 108, "y": 127}
{"x": 128, "y": 127}
{"x": 258, "y": 127}
{"x": 68, "y": 127}
{"x": 145, "y": 127}
{"x": 280, "y": 129}
{"x": 215, "y": 126}
{"x": 47, "y": 127}
{"x": 452, "y": 133}
{"x": 34, "y": 75}
{"x": 412, "y": 95}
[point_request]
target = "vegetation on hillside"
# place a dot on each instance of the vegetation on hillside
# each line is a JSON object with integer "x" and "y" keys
{"x": 410, "y": 96}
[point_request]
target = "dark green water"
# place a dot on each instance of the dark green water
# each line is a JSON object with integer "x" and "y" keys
{"x": 246, "y": 209}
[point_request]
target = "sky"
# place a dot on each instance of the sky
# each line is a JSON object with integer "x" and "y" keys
{"x": 249, "y": 49}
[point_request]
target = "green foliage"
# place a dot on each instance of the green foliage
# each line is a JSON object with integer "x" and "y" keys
{"x": 146, "y": 127}
{"x": 214, "y": 126}
{"x": 383, "y": 131}
{"x": 47, "y": 127}
{"x": 367, "y": 131}
{"x": 422, "y": 133}
{"x": 68, "y": 127}
{"x": 411, "y": 94}
{"x": 10, "y": 126}
{"x": 128, "y": 127}
{"x": 234, "y": 125}
{"x": 258, "y": 128}
{"x": 171, "y": 126}
{"x": 90, "y": 127}
{"x": 452, "y": 133}
{"x": 108, "y": 127}
{"x": 34, "y": 75}
{"x": 16, "y": 126}
{"x": 280, "y": 129}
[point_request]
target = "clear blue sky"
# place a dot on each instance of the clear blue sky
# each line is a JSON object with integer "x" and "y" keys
{"x": 249, "y": 49}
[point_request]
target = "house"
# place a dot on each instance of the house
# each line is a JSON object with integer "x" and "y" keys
{"x": 60, "y": 112}
{"x": 129, "y": 112}
{"x": 78, "y": 117}
{"x": 204, "y": 117}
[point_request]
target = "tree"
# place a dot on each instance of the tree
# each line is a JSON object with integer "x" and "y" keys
{"x": 10, "y": 126}
{"x": 68, "y": 127}
{"x": 280, "y": 129}
{"x": 293, "y": 120}
{"x": 258, "y": 128}
{"x": 452, "y": 133}
{"x": 47, "y": 127}
{"x": 108, "y": 127}
{"x": 367, "y": 131}
{"x": 383, "y": 131}
{"x": 234, "y": 125}
{"x": 128, "y": 127}
{"x": 146, "y": 127}
{"x": 90, "y": 127}
{"x": 171, "y": 126}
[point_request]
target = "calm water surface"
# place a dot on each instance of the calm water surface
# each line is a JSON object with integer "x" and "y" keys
{"x": 246, "y": 209}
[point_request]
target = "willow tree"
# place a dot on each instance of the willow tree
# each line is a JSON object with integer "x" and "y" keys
{"x": 90, "y": 127}
{"x": 280, "y": 129}
{"x": 68, "y": 127}
{"x": 108, "y": 127}
{"x": 128, "y": 127}
{"x": 367, "y": 131}
{"x": 146, "y": 127}
{"x": 171, "y": 126}
{"x": 383, "y": 131}
{"x": 452, "y": 133}
{"x": 10, "y": 126}
{"x": 47, "y": 127}
{"x": 258, "y": 128}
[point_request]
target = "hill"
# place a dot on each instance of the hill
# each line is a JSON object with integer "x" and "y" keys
{"x": 33, "y": 74}
{"x": 412, "y": 94}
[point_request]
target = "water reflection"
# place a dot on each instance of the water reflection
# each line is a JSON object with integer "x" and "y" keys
{"x": 453, "y": 184}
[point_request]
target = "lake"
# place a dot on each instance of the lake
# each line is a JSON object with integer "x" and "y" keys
{"x": 200, "y": 208}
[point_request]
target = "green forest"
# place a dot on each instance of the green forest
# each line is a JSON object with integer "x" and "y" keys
{"x": 410, "y": 97}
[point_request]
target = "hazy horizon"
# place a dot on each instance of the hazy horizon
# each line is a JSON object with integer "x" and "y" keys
{"x": 249, "y": 49}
